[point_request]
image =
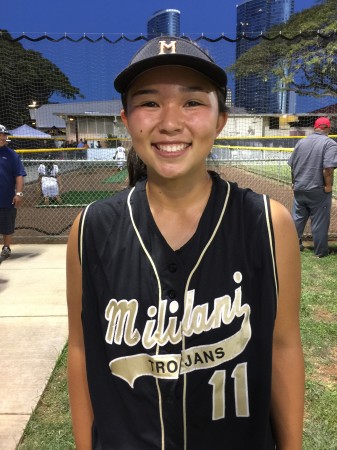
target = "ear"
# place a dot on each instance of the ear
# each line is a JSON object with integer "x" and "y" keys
{"x": 124, "y": 118}
{"x": 222, "y": 120}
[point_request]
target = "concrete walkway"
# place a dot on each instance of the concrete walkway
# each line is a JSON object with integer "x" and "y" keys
{"x": 33, "y": 331}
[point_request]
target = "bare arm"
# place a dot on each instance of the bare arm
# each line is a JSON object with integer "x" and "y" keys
{"x": 288, "y": 366}
{"x": 328, "y": 179}
{"x": 80, "y": 404}
{"x": 18, "y": 188}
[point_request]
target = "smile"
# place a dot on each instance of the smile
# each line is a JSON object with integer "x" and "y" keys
{"x": 172, "y": 148}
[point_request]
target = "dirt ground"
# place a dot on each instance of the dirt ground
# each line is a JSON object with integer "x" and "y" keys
{"x": 51, "y": 224}
{"x": 276, "y": 190}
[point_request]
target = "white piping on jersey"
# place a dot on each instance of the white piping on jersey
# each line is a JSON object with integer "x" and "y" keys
{"x": 185, "y": 296}
{"x": 269, "y": 227}
{"x": 159, "y": 296}
{"x": 268, "y": 219}
{"x": 81, "y": 232}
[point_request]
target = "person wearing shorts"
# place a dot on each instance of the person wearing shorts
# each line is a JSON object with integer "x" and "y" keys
{"x": 50, "y": 181}
{"x": 120, "y": 157}
{"x": 11, "y": 188}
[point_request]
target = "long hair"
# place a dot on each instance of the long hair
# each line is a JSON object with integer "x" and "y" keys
{"x": 136, "y": 168}
{"x": 49, "y": 166}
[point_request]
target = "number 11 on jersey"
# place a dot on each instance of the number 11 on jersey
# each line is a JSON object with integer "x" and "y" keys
{"x": 218, "y": 381}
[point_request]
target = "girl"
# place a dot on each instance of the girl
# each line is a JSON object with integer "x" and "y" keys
{"x": 50, "y": 180}
{"x": 183, "y": 290}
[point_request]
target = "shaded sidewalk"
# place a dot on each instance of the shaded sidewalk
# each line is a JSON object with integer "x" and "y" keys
{"x": 33, "y": 331}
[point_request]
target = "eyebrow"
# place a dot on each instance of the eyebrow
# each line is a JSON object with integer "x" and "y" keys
{"x": 144, "y": 92}
{"x": 183, "y": 89}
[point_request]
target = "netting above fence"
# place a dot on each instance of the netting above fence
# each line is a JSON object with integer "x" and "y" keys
{"x": 57, "y": 98}
{"x": 43, "y": 70}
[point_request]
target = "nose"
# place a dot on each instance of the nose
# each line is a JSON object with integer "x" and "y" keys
{"x": 171, "y": 119}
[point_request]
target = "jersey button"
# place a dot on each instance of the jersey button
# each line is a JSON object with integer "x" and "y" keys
{"x": 172, "y": 267}
{"x": 172, "y": 294}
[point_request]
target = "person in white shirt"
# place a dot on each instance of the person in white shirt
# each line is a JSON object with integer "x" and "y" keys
{"x": 50, "y": 181}
{"x": 120, "y": 157}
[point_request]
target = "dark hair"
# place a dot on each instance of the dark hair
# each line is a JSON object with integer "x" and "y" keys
{"x": 49, "y": 168}
{"x": 49, "y": 165}
{"x": 136, "y": 167}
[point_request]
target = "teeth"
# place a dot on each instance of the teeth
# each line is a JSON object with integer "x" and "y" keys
{"x": 172, "y": 148}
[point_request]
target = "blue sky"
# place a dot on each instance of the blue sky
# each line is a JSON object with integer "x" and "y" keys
{"x": 36, "y": 17}
{"x": 118, "y": 16}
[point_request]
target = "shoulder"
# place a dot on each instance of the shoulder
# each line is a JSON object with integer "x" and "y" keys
{"x": 111, "y": 206}
{"x": 105, "y": 221}
{"x": 283, "y": 224}
{"x": 9, "y": 152}
{"x": 331, "y": 142}
{"x": 250, "y": 200}
{"x": 246, "y": 209}
{"x": 13, "y": 156}
{"x": 287, "y": 252}
{"x": 237, "y": 196}
{"x": 279, "y": 211}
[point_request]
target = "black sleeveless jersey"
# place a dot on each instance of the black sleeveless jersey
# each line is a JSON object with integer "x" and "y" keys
{"x": 179, "y": 343}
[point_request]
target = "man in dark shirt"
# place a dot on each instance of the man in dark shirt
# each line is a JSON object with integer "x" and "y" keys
{"x": 11, "y": 187}
{"x": 312, "y": 166}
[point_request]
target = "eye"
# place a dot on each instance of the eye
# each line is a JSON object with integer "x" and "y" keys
{"x": 193, "y": 103}
{"x": 149, "y": 104}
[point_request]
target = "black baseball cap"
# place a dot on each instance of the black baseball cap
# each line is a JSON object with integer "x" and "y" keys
{"x": 170, "y": 51}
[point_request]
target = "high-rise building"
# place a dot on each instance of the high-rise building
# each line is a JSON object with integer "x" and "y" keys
{"x": 164, "y": 22}
{"x": 253, "y": 93}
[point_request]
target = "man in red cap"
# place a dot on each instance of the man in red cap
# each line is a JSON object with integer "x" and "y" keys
{"x": 312, "y": 167}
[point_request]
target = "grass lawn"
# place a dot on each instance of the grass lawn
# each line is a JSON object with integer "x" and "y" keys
{"x": 279, "y": 171}
{"x": 119, "y": 177}
{"x": 83, "y": 198}
{"x": 319, "y": 334}
{"x": 49, "y": 427}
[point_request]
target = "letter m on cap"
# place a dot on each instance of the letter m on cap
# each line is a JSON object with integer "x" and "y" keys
{"x": 164, "y": 47}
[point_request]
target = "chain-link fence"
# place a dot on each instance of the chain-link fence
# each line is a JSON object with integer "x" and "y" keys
{"x": 82, "y": 181}
{"x": 57, "y": 94}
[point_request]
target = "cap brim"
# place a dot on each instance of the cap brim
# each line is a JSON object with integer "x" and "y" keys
{"x": 210, "y": 70}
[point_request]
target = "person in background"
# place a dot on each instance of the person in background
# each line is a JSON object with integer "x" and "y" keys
{"x": 83, "y": 145}
{"x": 80, "y": 144}
{"x": 120, "y": 157}
{"x": 50, "y": 180}
{"x": 183, "y": 289}
{"x": 312, "y": 163}
{"x": 11, "y": 191}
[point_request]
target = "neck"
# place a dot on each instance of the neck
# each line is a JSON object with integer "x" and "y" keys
{"x": 178, "y": 193}
{"x": 178, "y": 207}
{"x": 319, "y": 131}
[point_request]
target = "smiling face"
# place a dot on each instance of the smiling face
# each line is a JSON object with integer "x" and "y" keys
{"x": 3, "y": 139}
{"x": 173, "y": 118}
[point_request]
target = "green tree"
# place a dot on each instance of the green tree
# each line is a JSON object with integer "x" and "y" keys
{"x": 305, "y": 64}
{"x": 25, "y": 75}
